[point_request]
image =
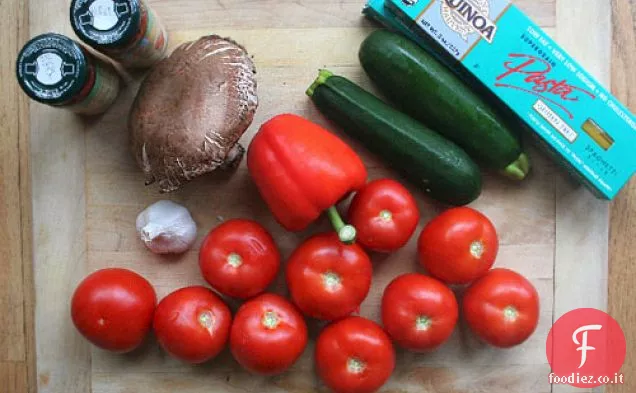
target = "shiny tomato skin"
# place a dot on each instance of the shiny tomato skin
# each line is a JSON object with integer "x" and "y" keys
{"x": 239, "y": 258}
{"x": 502, "y": 308}
{"x": 192, "y": 324}
{"x": 328, "y": 279}
{"x": 458, "y": 246}
{"x": 419, "y": 312}
{"x": 268, "y": 335}
{"x": 385, "y": 215}
{"x": 354, "y": 355}
{"x": 113, "y": 309}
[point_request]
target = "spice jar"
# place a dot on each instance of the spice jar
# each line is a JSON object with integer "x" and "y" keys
{"x": 55, "y": 70}
{"x": 128, "y": 31}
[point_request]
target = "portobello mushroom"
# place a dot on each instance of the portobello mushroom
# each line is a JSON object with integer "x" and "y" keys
{"x": 191, "y": 110}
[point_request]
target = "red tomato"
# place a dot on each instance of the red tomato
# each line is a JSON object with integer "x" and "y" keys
{"x": 113, "y": 309}
{"x": 328, "y": 279}
{"x": 239, "y": 258}
{"x": 418, "y": 312}
{"x": 385, "y": 215}
{"x": 268, "y": 334}
{"x": 502, "y": 308}
{"x": 458, "y": 246}
{"x": 354, "y": 355}
{"x": 192, "y": 324}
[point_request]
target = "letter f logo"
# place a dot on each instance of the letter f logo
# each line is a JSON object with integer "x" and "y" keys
{"x": 583, "y": 344}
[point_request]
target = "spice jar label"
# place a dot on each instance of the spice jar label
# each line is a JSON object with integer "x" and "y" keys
{"x": 152, "y": 46}
{"x": 103, "y": 93}
{"x": 51, "y": 69}
{"x": 128, "y": 31}
{"x": 55, "y": 70}
{"x": 103, "y": 15}
{"x": 48, "y": 69}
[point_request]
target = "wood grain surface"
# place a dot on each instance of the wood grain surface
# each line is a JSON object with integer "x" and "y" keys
{"x": 17, "y": 349}
{"x": 622, "y": 250}
{"x": 96, "y": 154}
{"x": 58, "y": 169}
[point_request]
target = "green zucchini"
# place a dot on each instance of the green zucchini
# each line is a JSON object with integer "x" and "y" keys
{"x": 427, "y": 90}
{"x": 436, "y": 165}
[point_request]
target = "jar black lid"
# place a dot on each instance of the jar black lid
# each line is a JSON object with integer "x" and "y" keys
{"x": 106, "y": 23}
{"x": 52, "y": 68}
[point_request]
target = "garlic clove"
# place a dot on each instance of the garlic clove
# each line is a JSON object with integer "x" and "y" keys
{"x": 166, "y": 227}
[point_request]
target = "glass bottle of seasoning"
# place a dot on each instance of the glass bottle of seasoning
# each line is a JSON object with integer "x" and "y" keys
{"x": 55, "y": 70}
{"x": 128, "y": 31}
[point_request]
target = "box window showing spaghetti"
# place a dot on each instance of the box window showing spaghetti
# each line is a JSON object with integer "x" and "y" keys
{"x": 598, "y": 135}
{"x": 128, "y": 31}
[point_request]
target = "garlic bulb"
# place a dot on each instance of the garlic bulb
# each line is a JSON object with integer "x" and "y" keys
{"x": 166, "y": 228}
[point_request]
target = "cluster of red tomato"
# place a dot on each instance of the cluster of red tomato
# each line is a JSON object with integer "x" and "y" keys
{"x": 328, "y": 280}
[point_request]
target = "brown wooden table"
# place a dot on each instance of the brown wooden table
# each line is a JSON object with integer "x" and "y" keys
{"x": 17, "y": 358}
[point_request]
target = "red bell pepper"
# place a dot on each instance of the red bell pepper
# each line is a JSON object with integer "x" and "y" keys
{"x": 303, "y": 170}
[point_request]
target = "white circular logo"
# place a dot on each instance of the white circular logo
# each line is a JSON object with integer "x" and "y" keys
{"x": 455, "y": 21}
{"x": 49, "y": 69}
{"x": 104, "y": 15}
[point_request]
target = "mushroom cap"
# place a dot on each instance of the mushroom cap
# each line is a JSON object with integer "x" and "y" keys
{"x": 191, "y": 110}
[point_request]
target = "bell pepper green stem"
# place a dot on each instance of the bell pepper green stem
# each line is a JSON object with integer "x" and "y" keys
{"x": 346, "y": 233}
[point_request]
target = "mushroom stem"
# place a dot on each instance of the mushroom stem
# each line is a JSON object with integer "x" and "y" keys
{"x": 346, "y": 233}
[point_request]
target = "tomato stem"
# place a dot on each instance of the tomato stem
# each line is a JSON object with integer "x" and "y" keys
{"x": 346, "y": 233}
{"x": 234, "y": 260}
{"x": 270, "y": 320}
{"x": 477, "y": 249}
{"x": 355, "y": 366}
{"x": 386, "y": 215}
{"x": 331, "y": 280}
{"x": 422, "y": 323}
{"x": 510, "y": 313}
{"x": 206, "y": 319}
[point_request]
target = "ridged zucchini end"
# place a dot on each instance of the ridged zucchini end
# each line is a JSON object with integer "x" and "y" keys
{"x": 519, "y": 169}
{"x": 323, "y": 75}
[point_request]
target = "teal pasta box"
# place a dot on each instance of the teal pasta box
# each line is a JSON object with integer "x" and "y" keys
{"x": 376, "y": 10}
{"x": 493, "y": 43}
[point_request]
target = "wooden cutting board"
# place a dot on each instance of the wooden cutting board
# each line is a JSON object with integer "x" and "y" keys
{"x": 87, "y": 191}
